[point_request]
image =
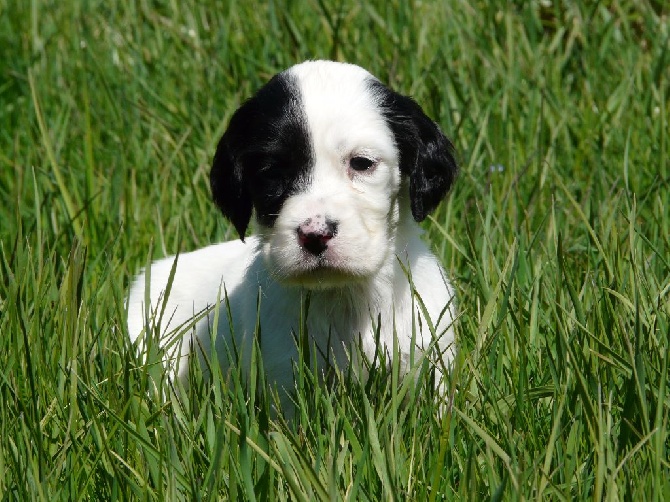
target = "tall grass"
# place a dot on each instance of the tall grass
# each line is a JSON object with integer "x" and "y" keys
{"x": 557, "y": 235}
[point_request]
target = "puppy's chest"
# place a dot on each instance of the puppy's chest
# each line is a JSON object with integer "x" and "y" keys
{"x": 330, "y": 322}
{"x": 340, "y": 315}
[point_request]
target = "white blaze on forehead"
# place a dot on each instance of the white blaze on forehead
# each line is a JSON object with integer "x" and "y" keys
{"x": 342, "y": 114}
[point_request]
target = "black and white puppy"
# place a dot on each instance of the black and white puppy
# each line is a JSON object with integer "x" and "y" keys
{"x": 338, "y": 169}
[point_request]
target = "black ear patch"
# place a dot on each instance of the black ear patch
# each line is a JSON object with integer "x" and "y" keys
{"x": 426, "y": 155}
{"x": 263, "y": 155}
{"x": 226, "y": 180}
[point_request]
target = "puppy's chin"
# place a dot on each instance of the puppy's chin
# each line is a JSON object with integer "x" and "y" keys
{"x": 314, "y": 273}
{"x": 295, "y": 267}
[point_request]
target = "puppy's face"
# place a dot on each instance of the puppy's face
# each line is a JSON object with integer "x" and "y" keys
{"x": 320, "y": 153}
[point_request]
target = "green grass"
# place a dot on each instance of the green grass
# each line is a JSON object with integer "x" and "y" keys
{"x": 109, "y": 116}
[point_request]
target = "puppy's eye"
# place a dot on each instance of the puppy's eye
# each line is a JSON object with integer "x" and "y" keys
{"x": 361, "y": 163}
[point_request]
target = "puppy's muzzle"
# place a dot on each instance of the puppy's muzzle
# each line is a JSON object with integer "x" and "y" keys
{"x": 315, "y": 233}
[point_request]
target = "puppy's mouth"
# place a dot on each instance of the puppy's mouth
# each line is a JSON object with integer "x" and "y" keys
{"x": 319, "y": 272}
{"x": 315, "y": 259}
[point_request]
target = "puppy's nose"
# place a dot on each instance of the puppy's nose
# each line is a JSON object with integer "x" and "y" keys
{"x": 314, "y": 234}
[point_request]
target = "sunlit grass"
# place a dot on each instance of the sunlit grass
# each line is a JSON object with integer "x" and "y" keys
{"x": 557, "y": 236}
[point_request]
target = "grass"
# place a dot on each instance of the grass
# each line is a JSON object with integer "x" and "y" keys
{"x": 557, "y": 235}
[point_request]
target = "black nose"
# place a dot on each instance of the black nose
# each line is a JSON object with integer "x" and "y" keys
{"x": 314, "y": 234}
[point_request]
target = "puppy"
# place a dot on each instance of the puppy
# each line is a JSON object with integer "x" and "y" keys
{"x": 338, "y": 170}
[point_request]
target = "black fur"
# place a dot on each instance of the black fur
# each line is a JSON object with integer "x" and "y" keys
{"x": 426, "y": 155}
{"x": 263, "y": 156}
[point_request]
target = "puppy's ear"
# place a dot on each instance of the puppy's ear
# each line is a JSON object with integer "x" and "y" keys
{"x": 227, "y": 180}
{"x": 262, "y": 154}
{"x": 426, "y": 155}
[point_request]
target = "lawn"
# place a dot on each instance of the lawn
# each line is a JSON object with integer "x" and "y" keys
{"x": 556, "y": 235}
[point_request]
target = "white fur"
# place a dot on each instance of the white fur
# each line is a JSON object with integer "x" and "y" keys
{"x": 357, "y": 278}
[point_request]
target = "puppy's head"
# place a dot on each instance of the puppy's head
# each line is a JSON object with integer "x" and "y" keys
{"x": 319, "y": 154}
